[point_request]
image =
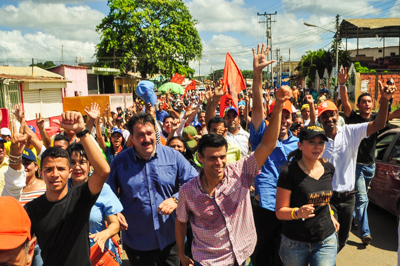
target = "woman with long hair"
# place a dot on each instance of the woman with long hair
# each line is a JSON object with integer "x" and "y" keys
{"x": 106, "y": 207}
{"x": 303, "y": 194}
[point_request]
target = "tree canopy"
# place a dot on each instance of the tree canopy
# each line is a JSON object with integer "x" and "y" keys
{"x": 156, "y": 35}
{"x": 44, "y": 65}
{"x": 321, "y": 59}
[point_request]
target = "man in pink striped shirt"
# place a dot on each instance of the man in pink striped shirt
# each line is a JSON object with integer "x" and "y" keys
{"x": 217, "y": 202}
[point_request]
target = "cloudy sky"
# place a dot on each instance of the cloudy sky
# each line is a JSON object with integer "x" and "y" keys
{"x": 57, "y": 30}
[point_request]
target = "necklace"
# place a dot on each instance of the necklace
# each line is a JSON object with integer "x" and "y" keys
{"x": 305, "y": 169}
{"x": 30, "y": 185}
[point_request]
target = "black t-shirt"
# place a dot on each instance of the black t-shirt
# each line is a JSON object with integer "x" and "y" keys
{"x": 307, "y": 190}
{"x": 366, "y": 150}
{"x": 62, "y": 227}
{"x": 243, "y": 122}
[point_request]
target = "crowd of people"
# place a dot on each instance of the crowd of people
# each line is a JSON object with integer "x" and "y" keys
{"x": 175, "y": 180}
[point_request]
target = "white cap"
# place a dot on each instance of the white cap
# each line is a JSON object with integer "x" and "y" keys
{"x": 5, "y": 131}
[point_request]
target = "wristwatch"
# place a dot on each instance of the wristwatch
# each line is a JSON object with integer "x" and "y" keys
{"x": 175, "y": 199}
{"x": 82, "y": 133}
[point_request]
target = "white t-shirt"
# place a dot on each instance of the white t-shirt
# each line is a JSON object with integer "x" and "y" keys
{"x": 342, "y": 153}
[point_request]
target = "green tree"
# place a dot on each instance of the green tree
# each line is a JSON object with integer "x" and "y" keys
{"x": 159, "y": 34}
{"x": 44, "y": 65}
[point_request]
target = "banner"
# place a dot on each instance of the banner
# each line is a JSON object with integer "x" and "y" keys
{"x": 190, "y": 86}
{"x": 178, "y": 78}
{"x": 233, "y": 84}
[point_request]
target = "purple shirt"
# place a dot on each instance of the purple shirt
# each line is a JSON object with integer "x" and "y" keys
{"x": 223, "y": 226}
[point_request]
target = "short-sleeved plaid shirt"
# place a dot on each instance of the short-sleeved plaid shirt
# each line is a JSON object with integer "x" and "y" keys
{"x": 223, "y": 226}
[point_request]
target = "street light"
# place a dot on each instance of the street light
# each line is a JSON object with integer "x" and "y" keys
{"x": 337, "y": 47}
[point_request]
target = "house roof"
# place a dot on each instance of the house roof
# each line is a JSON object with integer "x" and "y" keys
{"x": 18, "y": 78}
{"x": 36, "y": 72}
{"x": 370, "y": 28}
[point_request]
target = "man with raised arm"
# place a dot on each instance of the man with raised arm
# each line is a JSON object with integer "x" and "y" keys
{"x": 268, "y": 237}
{"x": 60, "y": 217}
{"x": 217, "y": 201}
{"x": 365, "y": 168}
{"x": 341, "y": 150}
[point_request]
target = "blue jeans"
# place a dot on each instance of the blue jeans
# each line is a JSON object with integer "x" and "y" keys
{"x": 297, "y": 253}
{"x": 364, "y": 175}
{"x": 37, "y": 258}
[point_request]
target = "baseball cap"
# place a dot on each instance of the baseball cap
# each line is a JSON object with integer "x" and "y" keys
{"x": 32, "y": 128}
{"x": 5, "y": 131}
{"x": 286, "y": 106}
{"x": 195, "y": 124}
{"x": 145, "y": 91}
{"x": 29, "y": 155}
{"x": 116, "y": 130}
{"x": 188, "y": 134}
{"x": 310, "y": 131}
{"x": 326, "y": 106}
{"x": 231, "y": 108}
{"x": 119, "y": 119}
{"x": 15, "y": 226}
{"x": 305, "y": 106}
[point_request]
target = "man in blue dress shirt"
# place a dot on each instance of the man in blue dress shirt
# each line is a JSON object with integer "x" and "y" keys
{"x": 146, "y": 178}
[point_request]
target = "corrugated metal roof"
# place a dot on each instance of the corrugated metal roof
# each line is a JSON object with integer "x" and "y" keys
{"x": 370, "y": 28}
{"x": 17, "y": 78}
{"x": 27, "y": 71}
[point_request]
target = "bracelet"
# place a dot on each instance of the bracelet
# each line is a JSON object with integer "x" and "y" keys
{"x": 294, "y": 212}
{"x": 82, "y": 133}
{"x": 15, "y": 162}
{"x": 15, "y": 157}
{"x": 342, "y": 85}
{"x": 175, "y": 200}
{"x": 332, "y": 213}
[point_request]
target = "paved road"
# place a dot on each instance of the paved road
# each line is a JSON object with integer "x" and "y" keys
{"x": 382, "y": 251}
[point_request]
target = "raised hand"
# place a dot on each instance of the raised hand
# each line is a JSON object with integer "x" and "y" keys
{"x": 309, "y": 100}
{"x": 175, "y": 124}
{"x": 94, "y": 110}
{"x": 218, "y": 89}
{"x": 17, "y": 111}
{"x": 209, "y": 93}
{"x": 283, "y": 94}
{"x": 260, "y": 58}
{"x": 39, "y": 121}
{"x": 386, "y": 90}
{"x": 71, "y": 121}
{"x": 18, "y": 143}
{"x": 343, "y": 76}
{"x": 201, "y": 98}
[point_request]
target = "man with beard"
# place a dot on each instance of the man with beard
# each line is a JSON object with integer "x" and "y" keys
{"x": 146, "y": 178}
{"x": 236, "y": 134}
{"x": 365, "y": 168}
{"x": 341, "y": 150}
{"x": 268, "y": 227}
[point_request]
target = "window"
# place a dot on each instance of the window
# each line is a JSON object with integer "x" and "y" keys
{"x": 394, "y": 155}
{"x": 382, "y": 145}
{"x": 380, "y": 51}
{"x": 392, "y": 54}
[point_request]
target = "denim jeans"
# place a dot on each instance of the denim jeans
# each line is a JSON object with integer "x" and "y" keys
{"x": 297, "y": 253}
{"x": 166, "y": 257}
{"x": 37, "y": 258}
{"x": 364, "y": 175}
{"x": 343, "y": 208}
{"x": 236, "y": 264}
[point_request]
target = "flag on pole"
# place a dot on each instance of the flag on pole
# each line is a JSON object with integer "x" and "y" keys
{"x": 178, "y": 78}
{"x": 190, "y": 86}
{"x": 233, "y": 84}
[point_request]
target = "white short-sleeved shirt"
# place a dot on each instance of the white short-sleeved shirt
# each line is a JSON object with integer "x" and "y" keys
{"x": 241, "y": 138}
{"x": 342, "y": 153}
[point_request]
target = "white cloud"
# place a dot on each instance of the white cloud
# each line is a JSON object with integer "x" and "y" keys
{"x": 394, "y": 12}
{"x": 15, "y": 46}
{"x": 223, "y": 16}
{"x": 70, "y": 23}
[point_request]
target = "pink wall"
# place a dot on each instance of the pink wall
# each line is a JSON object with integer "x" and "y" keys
{"x": 77, "y": 75}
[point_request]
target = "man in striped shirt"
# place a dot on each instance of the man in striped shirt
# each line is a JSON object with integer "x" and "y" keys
{"x": 217, "y": 202}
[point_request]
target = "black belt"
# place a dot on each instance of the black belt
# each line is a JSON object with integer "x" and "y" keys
{"x": 344, "y": 194}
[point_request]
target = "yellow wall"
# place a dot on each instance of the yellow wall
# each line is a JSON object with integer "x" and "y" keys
{"x": 125, "y": 85}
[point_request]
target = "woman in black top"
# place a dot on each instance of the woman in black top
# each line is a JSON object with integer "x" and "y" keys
{"x": 303, "y": 195}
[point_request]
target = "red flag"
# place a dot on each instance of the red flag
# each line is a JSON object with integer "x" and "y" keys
{"x": 178, "y": 78}
{"x": 190, "y": 86}
{"x": 233, "y": 84}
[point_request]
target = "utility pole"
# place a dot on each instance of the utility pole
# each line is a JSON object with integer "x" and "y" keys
{"x": 279, "y": 67}
{"x": 337, "y": 48}
{"x": 33, "y": 62}
{"x": 62, "y": 54}
{"x": 268, "y": 21}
